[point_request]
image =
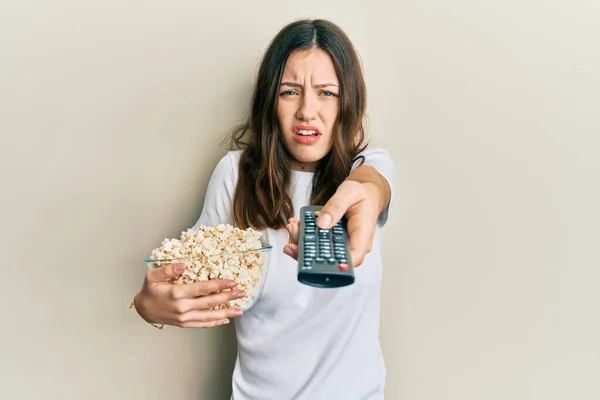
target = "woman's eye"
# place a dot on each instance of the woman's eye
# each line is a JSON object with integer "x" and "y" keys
{"x": 288, "y": 93}
{"x": 328, "y": 94}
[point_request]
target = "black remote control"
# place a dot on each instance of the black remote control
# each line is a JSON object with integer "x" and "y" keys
{"x": 323, "y": 254}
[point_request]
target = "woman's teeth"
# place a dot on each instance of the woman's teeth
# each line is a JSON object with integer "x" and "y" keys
{"x": 306, "y": 133}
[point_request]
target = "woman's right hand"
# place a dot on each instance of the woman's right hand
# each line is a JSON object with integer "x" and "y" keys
{"x": 186, "y": 305}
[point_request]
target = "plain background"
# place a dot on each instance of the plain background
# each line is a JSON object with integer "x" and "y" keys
{"x": 111, "y": 116}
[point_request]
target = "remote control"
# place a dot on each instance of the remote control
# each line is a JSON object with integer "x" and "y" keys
{"x": 323, "y": 254}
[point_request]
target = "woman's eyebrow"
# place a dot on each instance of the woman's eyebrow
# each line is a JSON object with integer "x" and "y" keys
{"x": 320, "y": 86}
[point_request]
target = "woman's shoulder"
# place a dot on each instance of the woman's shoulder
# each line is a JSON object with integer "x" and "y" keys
{"x": 233, "y": 156}
{"x": 373, "y": 155}
{"x": 227, "y": 165}
{"x": 374, "y": 151}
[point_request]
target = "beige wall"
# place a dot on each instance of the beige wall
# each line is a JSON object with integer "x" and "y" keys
{"x": 111, "y": 115}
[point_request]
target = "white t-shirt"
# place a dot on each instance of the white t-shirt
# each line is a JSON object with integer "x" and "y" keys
{"x": 299, "y": 342}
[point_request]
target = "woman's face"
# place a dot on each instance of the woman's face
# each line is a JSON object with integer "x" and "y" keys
{"x": 308, "y": 107}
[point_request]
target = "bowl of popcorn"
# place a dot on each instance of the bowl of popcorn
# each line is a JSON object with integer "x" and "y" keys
{"x": 218, "y": 252}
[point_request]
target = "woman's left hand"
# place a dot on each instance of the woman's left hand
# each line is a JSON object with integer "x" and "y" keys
{"x": 360, "y": 203}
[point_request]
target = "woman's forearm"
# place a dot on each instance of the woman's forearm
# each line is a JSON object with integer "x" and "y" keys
{"x": 375, "y": 184}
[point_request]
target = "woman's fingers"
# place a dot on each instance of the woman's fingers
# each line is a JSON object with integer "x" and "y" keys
{"x": 211, "y": 324}
{"x": 351, "y": 200}
{"x": 360, "y": 237}
{"x": 206, "y": 318}
{"x": 348, "y": 194}
{"x": 202, "y": 288}
{"x": 163, "y": 273}
{"x": 197, "y": 313}
{"x": 208, "y": 302}
{"x": 292, "y": 227}
{"x": 291, "y": 250}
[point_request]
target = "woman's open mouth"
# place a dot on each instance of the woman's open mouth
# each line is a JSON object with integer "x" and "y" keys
{"x": 306, "y": 135}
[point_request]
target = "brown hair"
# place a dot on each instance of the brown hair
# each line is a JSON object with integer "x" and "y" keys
{"x": 262, "y": 199}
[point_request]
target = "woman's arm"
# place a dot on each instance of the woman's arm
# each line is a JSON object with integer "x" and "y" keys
{"x": 362, "y": 198}
{"x": 377, "y": 187}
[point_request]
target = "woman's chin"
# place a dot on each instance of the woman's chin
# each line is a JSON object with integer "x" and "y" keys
{"x": 308, "y": 155}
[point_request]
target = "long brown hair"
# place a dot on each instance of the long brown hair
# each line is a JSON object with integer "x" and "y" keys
{"x": 262, "y": 195}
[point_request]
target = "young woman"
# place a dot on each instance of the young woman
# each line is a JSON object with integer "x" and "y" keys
{"x": 303, "y": 144}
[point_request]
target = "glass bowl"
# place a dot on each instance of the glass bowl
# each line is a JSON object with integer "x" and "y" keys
{"x": 248, "y": 268}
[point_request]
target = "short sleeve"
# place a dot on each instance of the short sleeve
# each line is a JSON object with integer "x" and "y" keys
{"x": 218, "y": 201}
{"x": 379, "y": 159}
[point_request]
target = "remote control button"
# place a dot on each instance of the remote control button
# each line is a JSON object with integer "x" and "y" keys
{"x": 343, "y": 260}
{"x": 338, "y": 239}
{"x": 331, "y": 260}
{"x": 320, "y": 260}
{"x": 309, "y": 238}
{"x": 307, "y": 263}
{"x": 343, "y": 267}
{"x": 317, "y": 213}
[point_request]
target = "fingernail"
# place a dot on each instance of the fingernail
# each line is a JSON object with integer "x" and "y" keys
{"x": 225, "y": 322}
{"x": 324, "y": 220}
{"x": 178, "y": 268}
{"x": 237, "y": 312}
{"x": 288, "y": 251}
{"x": 240, "y": 294}
{"x": 232, "y": 284}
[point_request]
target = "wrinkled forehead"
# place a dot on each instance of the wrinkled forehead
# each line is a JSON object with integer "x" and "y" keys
{"x": 314, "y": 65}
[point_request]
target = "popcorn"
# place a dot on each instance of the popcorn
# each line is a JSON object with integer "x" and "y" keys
{"x": 218, "y": 252}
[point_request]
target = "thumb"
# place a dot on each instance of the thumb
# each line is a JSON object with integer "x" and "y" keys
{"x": 164, "y": 273}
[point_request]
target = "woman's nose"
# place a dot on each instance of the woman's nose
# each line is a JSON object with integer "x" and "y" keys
{"x": 307, "y": 110}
